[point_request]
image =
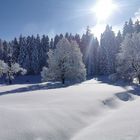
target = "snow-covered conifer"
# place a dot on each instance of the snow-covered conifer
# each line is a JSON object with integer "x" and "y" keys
{"x": 129, "y": 57}
{"x": 3, "y": 67}
{"x": 108, "y": 51}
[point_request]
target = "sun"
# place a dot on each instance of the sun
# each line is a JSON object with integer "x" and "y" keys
{"x": 103, "y": 9}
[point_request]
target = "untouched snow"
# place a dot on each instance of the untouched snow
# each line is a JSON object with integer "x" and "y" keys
{"x": 87, "y": 111}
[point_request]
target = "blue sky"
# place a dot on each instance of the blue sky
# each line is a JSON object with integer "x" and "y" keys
{"x": 56, "y": 16}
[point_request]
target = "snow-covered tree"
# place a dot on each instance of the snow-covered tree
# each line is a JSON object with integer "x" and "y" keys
{"x": 65, "y": 63}
{"x": 119, "y": 39}
{"x": 128, "y": 28}
{"x": 3, "y": 67}
{"x": 108, "y": 52}
{"x": 11, "y": 69}
{"x": 137, "y": 26}
{"x": 44, "y": 74}
{"x": 129, "y": 57}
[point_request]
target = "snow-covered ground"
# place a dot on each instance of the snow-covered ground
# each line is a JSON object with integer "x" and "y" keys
{"x": 88, "y": 111}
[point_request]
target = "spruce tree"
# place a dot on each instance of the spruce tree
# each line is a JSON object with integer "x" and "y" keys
{"x": 108, "y": 51}
{"x": 16, "y": 49}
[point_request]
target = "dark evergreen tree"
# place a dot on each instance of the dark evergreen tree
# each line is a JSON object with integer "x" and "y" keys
{"x": 96, "y": 57}
{"x": 1, "y": 50}
{"x": 16, "y": 49}
{"x": 6, "y": 50}
{"x": 56, "y": 40}
{"x": 45, "y": 46}
{"x": 128, "y": 28}
{"x": 125, "y": 29}
{"x": 67, "y": 35}
{"x": 60, "y": 36}
{"x": 77, "y": 39}
{"x": 89, "y": 47}
{"x": 108, "y": 51}
{"x": 137, "y": 26}
{"x": 29, "y": 47}
{"x": 119, "y": 39}
{"x": 35, "y": 55}
{"x": 23, "y": 53}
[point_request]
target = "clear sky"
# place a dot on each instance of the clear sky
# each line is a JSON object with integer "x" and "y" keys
{"x": 57, "y": 16}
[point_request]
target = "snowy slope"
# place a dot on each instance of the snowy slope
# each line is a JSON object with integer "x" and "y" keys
{"x": 87, "y": 111}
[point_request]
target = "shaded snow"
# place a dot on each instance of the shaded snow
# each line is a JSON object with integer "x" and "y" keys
{"x": 87, "y": 111}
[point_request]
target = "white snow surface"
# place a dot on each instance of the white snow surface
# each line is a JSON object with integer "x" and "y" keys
{"x": 87, "y": 111}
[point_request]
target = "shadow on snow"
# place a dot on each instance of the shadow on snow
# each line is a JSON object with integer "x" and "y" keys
{"x": 56, "y": 85}
{"x": 35, "y": 87}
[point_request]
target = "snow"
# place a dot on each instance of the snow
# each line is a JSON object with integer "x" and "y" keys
{"x": 91, "y": 110}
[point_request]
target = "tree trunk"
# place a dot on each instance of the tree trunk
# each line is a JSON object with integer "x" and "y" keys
{"x": 139, "y": 78}
{"x": 10, "y": 81}
{"x": 63, "y": 80}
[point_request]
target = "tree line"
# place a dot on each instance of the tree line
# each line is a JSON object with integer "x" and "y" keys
{"x": 100, "y": 57}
